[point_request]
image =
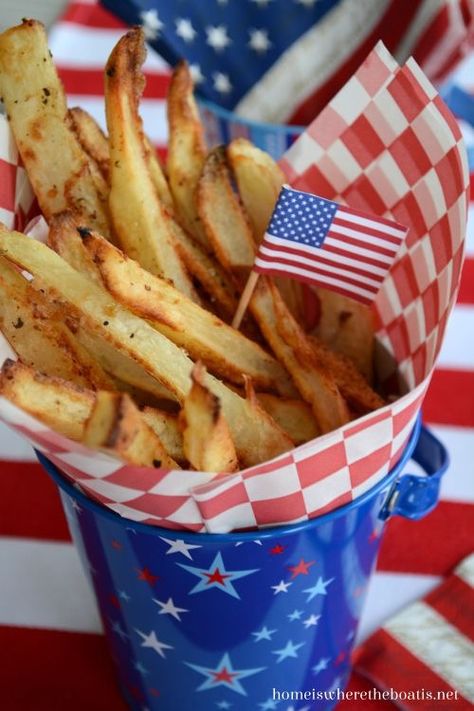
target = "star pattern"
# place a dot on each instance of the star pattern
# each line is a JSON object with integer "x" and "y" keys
{"x": 179, "y": 546}
{"x": 224, "y": 675}
{"x": 185, "y": 29}
{"x": 223, "y": 705}
{"x": 146, "y": 575}
{"x": 221, "y": 83}
{"x": 288, "y": 651}
{"x": 216, "y": 576}
{"x": 118, "y": 629}
{"x": 151, "y": 640}
{"x": 169, "y": 608}
{"x": 311, "y": 621}
{"x": 259, "y": 41}
{"x": 295, "y": 615}
{"x": 321, "y": 665}
{"x": 217, "y": 37}
{"x": 264, "y": 633}
{"x": 281, "y": 587}
{"x": 319, "y": 588}
{"x": 151, "y": 23}
{"x": 301, "y": 569}
{"x": 301, "y": 217}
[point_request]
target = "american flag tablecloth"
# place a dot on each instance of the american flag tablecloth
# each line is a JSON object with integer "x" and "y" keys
{"x": 54, "y": 656}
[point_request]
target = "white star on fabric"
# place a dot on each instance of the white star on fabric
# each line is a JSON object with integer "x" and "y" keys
{"x": 217, "y": 37}
{"x": 196, "y": 74}
{"x": 216, "y": 576}
{"x": 268, "y": 705}
{"x": 169, "y": 608}
{"x": 259, "y": 41}
{"x": 185, "y": 29}
{"x": 289, "y": 650}
{"x": 123, "y": 595}
{"x": 221, "y": 83}
{"x": 151, "y": 23}
{"x": 179, "y": 546}
{"x": 321, "y": 665}
{"x": 223, "y": 705}
{"x": 318, "y": 589}
{"x": 295, "y": 615}
{"x": 224, "y": 675}
{"x": 76, "y": 506}
{"x": 281, "y": 587}
{"x": 140, "y": 668}
{"x": 264, "y": 633}
{"x": 118, "y": 629}
{"x": 257, "y": 542}
{"x": 311, "y": 621}
{"x": 151, "y": 640}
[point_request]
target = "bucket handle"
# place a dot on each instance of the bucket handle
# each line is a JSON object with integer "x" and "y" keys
{"x": 413, "y": 495}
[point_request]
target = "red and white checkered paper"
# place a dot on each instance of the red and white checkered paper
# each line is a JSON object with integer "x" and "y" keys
{"x": 387, "y": 144}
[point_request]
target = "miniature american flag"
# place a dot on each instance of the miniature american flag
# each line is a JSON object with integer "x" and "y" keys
{"x": 319, "y": 241}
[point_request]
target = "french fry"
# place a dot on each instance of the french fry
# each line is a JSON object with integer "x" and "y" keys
{"x": 294, "y": 416}
{"x": 222, "y": 216}
{"x": 64, "y": 237}
{"x": 259, "y": 180}
{"x": 158, "y": 177}
{"x": 347, "y": 326}
{"x": 167, "y": 428}
{"x": 117, "y": 426}
{"x": 186, "y": 151}
{"x": 57, "y": 403}
{"x": 207, "y": 441}
{"x": 137, "y": 213}
{"x": 34, "y": 328}
{"x": 225, "y": 351}
{"x": 91, "y": 137}
{"x": 256, "y": 435}
{"x": 34, "y": 100}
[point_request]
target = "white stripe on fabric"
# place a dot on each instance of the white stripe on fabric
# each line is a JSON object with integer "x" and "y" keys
{"x": 465, "y": 570}
{"x": 453, "y": 36}
{"x": 44, "y": 585}
{"x": 275, "y": 254}
{"x": 372, "y": 224}
{"x": 438, "y": 644}
{"x": 456, "y": 484}
{"x": 14, "y": 447}
{"x": 457, "y": 351}
{"x": 281, "y": 242}
{"x": 426, "y": 13}
{"x": 333, "y": 240}
{"x": 350, "y": 22}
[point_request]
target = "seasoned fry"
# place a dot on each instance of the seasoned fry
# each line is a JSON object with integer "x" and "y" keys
{"x": 34, "y": 328}
{"x": 158, "y": 177}
{"x": 64, "y": 237}
{"x": 137, "y": 213}
{"x": 347, "y": 326}
{"x": 256, "y": 436}
{"x": 33, "y": 96}
{"x": 58, "y": 404}
{"x": 207, "y": 441}
{"x": 117, "y": 426}
{"x": 91, "y": 137}
{"x": 186, "y": 150}
{"x": 167, "y": 428}
{"x": 205, "y": 337}
{"x": 259, "y": 180}
{"x": 294, "y": 416}
{"x": 221, "y": 214}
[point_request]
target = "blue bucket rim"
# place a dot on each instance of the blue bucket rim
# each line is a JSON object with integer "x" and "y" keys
{"x": 231, "y": 117}
{"x": 261, "y": 533}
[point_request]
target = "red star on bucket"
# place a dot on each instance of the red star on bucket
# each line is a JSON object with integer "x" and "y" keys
{"x": 117, "y": 545}
{"x": 114, "y": 601}
{"x": 223, "y": 675}
{"x": 276, "y": 550}
{"x": 301, "y": 569}
{"x": 147, "y": 575}
{"x": 216, "y": 577}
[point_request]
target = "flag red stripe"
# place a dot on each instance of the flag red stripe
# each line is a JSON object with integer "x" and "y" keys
{"x": 321, "y": 258}
{"x": 454, "y": 600}
{"x": 434, "y": 554}
{"x": 90, "y": 82}
{"x": 389, "y": 664}
{"x": 366, "y": 231}
{"x": 382, "y": 220}
{"x": 91, "y": 16}
{"x": 350, "y": 254}
{"x": 359, "y": 242}
{"x": 449, "y": 399}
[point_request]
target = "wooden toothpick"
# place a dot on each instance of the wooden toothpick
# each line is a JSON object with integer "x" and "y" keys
{"x": 244, "y": 299}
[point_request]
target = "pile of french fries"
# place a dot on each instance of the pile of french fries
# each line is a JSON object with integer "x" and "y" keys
{"x": 121, "y": 321}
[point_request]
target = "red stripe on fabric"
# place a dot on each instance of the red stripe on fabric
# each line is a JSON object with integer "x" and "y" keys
{"x": 430, "y": 38}
{"x": 29, "y": 503}
{"x": 365, "y": 232}
{"x": 390, "y": 665}
{"x": 381, "y": 220}
{"x": 434, "y": 553}
{"x": 390, "y": 29}
{"x": 358, "y": 683}
{"x": 46, "y": 670}
{"x": 361, "y": 243}
{"x": 91, "y": 16}
{"x": 449, "y": 399}
{"x": 466, "y": 289}
{"x": 454, "y": 600}
{"x": 90, "y": 82}
{"x": 277, "y": 263}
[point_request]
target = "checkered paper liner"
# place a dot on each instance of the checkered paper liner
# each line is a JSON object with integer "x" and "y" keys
{"x": 387, "y": 144}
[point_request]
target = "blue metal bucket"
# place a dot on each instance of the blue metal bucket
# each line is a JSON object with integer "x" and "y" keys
{"x": 221, "y": 126}
{"x": 242, "y": 621}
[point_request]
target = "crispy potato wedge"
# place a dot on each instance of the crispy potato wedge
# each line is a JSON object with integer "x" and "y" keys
{"x": 186, "y": 151}
{"x": 117, "y": 426}
{"x": 294, "y": 416}
{"x": 225, "y": 351}
{"x": 207, "y": 441}
{"x": 222, "y": 216}
{"x": 347, "y": 326}
{"x": 294, "y": 350}
{"x": 34, "y": 99}
{"x": 256, "y": 435}
{"x": 91, "y": 137}
{"x": 34, "y": 328}
{"x": 158, "y": 177}
{"x": 65, "y": 238}
{"x": 259, "y": 180}
{"x": 166, "y": 426}
{"x": 57, "y": 403}
{"x": 137, "y": 213}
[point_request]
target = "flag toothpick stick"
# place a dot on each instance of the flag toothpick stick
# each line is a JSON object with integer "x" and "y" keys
{"x": 245, "y": 299}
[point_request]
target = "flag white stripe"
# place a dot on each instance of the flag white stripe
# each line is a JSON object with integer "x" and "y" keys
{"x": 457, "y": 352}
{"x": 337, "y": 283}
{"x": 371, "y": 224}
{"x": 339, "y": 244}
{"x": 337, "y": 259}
{"x": 437, "y": 643}
{"x": 297, "y": 261}
{"x": 333, "y": 241}
{"x": 336, "y": 229}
